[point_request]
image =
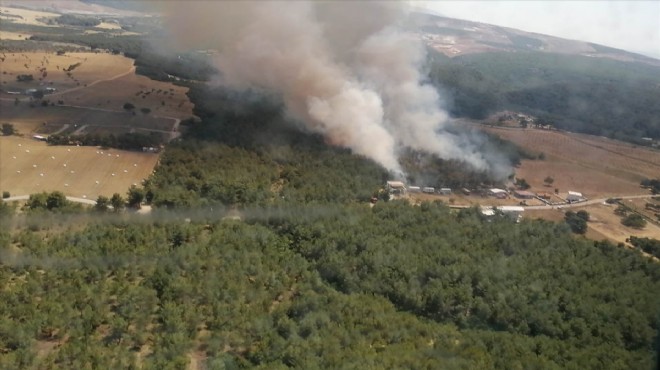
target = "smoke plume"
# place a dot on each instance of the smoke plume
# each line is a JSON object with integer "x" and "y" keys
{"x": 345, "y": 70}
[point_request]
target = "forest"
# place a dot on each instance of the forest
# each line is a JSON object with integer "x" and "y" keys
{"x": 262, "y": 251}
{"x": 326, "y": 286}
{"x": 575, "y": 93}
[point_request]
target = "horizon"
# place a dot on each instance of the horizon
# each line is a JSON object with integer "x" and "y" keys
{"x": 636, "y": 24}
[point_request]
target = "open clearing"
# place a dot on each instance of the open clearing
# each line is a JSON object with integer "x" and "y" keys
{"x": 6, "y": 35}
{"x": 28, "y": 166}
{"x": 605, "y": 222}
{"x": 594, "y": 166}
{"x": 24, "y": 16}
{"x": 71, "y": 70}
{"x": 162, "y": 98}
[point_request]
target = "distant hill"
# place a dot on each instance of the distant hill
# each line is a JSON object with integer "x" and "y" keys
{"x": 455, "y": 37}
{"x": 576, "y": 86}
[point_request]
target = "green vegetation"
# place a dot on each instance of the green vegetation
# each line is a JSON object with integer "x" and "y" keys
{"x": 8, "y": 129}
{"x": 77, "y": 20}
{"x": 648, "y": 245}
{"x": 395, "y": 286}
{"x": 54, "y": 202}
{"x": 24, "y": 78}
{"x": 571, "y": 92}
{"x": 577, "y": 221}
{"x": 128, "y": 141}
{"x": 310, "y": 276}
{"x": 634, "y": 220}
{"x": 653, "y": 184}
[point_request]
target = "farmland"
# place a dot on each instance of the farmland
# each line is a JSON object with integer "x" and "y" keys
{"x": 90, "y": 92}
{"x": 30, "y": 166}
{"x": 71, "y": 70}
{"x": 597, "y": 167}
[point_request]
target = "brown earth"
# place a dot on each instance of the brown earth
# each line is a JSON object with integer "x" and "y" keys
{"x": 93, "y": 67}
{"x": 73, "y": 170}
{"x": 595, "y": 166}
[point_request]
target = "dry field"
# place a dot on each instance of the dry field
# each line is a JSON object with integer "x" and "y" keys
{"x": 605, "y": 222}
{"x": 95, "y": 96}
{"x": 163, "y": 98}
{"x": 6, "y": 35}
{"x": 25, "y": 16}
{"x": 29, "y": 120}
{"x": 29, "y": 166}
{"x": 48, "y": 70}
{"x": 594, "y": 166}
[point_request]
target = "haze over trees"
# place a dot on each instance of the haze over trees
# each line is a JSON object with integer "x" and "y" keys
{"x": 309, "y": 275}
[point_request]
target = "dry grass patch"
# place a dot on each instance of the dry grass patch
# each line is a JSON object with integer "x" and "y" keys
{"x": 28, "y": 166}
{"x": 50, "y": 69}
{"x": 24, "y": 16}
{"x": 5, "y": 35}
{"x": 595, "y": 166}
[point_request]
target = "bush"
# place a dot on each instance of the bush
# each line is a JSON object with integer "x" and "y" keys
{"x": 577, "y": 221}
{"x": 634, "y": 220}
{"x": 5, "y": 195}
{"x": 8, "y": 129}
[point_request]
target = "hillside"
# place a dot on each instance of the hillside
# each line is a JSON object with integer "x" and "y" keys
{"x": 575, "y": 86}
{"x": 260, "y": 245}
{"x": 456, "y": 37}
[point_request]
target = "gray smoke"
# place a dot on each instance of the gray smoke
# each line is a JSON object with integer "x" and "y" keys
{"x": 345, "y": 70}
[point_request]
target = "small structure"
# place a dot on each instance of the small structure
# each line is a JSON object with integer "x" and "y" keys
{"x": 40, "y": 138}
{"x": 523, "y": 194}
{"x": 514, "y": 212}
{"x": 396, "y": 187}
{"x": 574, "y": 196}
{"x": 445, "y": 191}
{"x": 414, "y": 189}
{"x": 498, "y": 193}
{"x": 545, "y": 196}
{"x": 466, "y": 191}
{"x": 428, "y": 190}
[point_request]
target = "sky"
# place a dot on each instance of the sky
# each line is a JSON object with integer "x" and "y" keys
{"x": 629, "y": 25}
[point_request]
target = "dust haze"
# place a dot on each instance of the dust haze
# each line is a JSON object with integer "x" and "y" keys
{"x": 345, "y": 70}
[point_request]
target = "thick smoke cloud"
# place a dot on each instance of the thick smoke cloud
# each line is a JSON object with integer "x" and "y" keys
{"x": 345, "y": 70}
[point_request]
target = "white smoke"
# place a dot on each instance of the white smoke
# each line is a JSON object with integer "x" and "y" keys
{"x": 345, "y": 70}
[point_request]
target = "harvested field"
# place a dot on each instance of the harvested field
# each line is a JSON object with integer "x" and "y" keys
{"x": 605, "y": 222}
{"x": 594, "y": 166}
{"x": 29, "y": 120}
{"x": 24, "y": 16}
{"x": 50, "y": 69}
{"x": 162, "y": 98}
{"x": 5, "y": 35}
{"x": 28, "y": 166}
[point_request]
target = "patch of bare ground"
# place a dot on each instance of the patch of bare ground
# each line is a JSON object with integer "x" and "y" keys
{"x": 595, "y": 166}
{"x": 29, "y": 166}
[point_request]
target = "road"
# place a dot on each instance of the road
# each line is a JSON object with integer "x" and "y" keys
{"x": 589, "y": 202}
{"x": 130, "y": 70}
{"x": 72, "y": 199}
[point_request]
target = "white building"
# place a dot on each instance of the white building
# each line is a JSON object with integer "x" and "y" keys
{"x": 574, "y": 196}
{"x": 396, "y": 187}
{"x": 498, "y": 193}
{"x": 514, "y": 212}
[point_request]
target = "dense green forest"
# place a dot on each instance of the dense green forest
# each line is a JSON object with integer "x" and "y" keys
{"x": 576, "y": 93}
{"x": 394, "y": 286}
{"x": 263, "y": 252}
{"x": 309, "y": 276}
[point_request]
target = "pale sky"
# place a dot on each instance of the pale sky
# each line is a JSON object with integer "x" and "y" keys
{"x": 629, "y": 25}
